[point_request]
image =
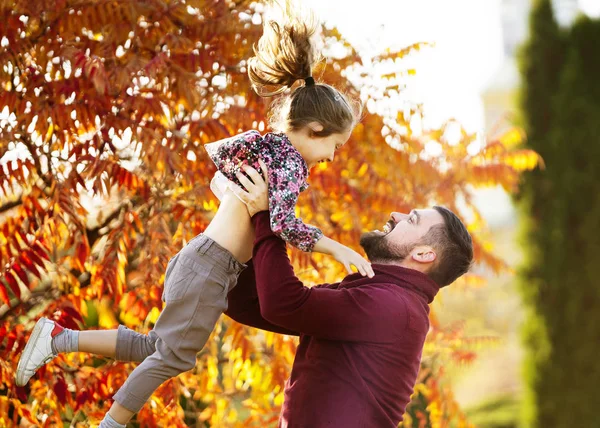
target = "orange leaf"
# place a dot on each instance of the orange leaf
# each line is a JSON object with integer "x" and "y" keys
{"x": 137, "y": 221}
{"x": 4, "y": 294}
{"x": 82, "y": 253}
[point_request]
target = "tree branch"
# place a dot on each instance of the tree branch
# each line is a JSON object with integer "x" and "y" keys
{"x": 94, "y": 234}
{"x": 10, "y": 205}
{"x": 36, "y": 159}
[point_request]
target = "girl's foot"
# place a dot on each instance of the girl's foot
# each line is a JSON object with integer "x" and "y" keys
{"x": 38, "y": 350}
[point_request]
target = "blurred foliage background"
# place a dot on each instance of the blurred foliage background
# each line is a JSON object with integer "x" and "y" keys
{"x": 104, "y": 108}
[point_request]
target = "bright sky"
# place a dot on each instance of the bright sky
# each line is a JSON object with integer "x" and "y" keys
{"x": 450, "y": 78}
{"x": 590, "y": 7}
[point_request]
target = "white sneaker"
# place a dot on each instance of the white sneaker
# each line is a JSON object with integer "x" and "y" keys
{"x": 38, "y": 350}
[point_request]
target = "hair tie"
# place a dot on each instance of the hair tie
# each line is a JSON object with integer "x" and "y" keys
{"x": 309, "y": 81}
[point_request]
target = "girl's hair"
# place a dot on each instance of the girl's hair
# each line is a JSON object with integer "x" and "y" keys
{"x": 285, "y": 54}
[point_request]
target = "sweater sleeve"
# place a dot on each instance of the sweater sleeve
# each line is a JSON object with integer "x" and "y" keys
{"x": 229, "y": 154}
{"x": 285, "y": 185}
{"x": 244, "y": 307}
{"x": 369, "y": 313}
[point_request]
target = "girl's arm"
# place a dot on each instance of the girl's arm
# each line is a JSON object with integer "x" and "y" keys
{"x": 345, "y": 255}
{"x": 283, "y": 190}
{"x": 355, "y": 314}
{"x": 284, "y": 186}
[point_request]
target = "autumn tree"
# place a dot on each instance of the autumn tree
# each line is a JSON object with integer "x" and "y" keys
{"x": 105, "y": 107}
{"x": 561, "y": 209}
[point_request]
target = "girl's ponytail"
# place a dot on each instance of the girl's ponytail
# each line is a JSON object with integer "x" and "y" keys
{"x": 285, "y": 52}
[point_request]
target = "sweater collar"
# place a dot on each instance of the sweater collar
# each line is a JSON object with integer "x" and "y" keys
{"x": 409, "y": 279}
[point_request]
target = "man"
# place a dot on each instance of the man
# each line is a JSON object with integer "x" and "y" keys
{"x": 361, "y": 339}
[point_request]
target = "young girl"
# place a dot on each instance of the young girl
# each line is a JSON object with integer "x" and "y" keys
{"x": 312, "y": 123}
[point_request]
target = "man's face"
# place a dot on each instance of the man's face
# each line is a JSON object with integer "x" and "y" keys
{"x": 399, "y": 236}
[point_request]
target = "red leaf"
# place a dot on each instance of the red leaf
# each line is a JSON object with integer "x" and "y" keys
{"x": 82, "y": 399}
{"x": 73, "y": 313}
{"x": 60, "y": 389}
{"x": 35, "y": 258}
{"x": 5, "y": 230}
{"x": 22, "y": 235}
{"x": 14, "y": 285}
{"x": 66, "y": 320}
{"x": 41, "y": 250}
{"x": 41, "y": 373}
{"x": 31, "y": 267}
{"x": 21, "y": 273}
{"x": 22, "y": 394}
{"x": 12, "y": 337}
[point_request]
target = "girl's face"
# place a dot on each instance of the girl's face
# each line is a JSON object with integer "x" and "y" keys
{"x": 318, "y": 149}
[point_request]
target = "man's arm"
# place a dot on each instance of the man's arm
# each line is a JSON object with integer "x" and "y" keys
{"x": 370, "y": 313}
{"x": 244, "y": 306}
{"x": 361, "y": 314}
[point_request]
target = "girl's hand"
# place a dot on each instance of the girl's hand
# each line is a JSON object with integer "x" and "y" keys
{"x": 348, "y": 257}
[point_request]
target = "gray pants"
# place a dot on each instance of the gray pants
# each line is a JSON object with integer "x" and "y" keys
{"x": 197, "y": 281}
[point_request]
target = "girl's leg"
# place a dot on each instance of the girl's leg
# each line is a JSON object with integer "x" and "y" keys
{"x": 232, "y": 228}
{"x": 99, "y": 342}
{"x": 196, "y": 286}
{"x": 49, "y": 339}
{"x": 143, "y": 381}
{"x": 121, "y": 344}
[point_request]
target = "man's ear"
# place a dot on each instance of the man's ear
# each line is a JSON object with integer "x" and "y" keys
{"x": 314, "y": 128}
{"x": 423, "y": 254}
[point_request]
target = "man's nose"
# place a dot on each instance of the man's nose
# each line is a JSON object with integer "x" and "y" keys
{"x": 398, "y": 217}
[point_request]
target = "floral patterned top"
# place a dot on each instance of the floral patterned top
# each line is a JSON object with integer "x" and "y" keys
{"x": 288, "y": 173}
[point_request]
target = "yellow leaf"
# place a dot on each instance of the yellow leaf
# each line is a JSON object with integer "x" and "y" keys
{"x": 363, "y": 170}
{"x": 106, "y": 316}
{"x": 153, "y": 315}
{"x": 337, "y": 216}
{"x": 523, "y": 160}
{"x": 512, "y": 138}
{"x": 50, "y": 132}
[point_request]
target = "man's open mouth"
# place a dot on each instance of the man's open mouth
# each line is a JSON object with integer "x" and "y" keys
{"x": 389, "y": 226}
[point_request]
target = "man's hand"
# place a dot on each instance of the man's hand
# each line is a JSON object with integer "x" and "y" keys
{"x": 256, "y": 195}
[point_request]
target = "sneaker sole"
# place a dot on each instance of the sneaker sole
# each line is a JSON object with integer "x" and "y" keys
{"x": 35, "y": 335}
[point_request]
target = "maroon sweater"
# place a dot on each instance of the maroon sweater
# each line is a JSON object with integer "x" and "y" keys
{"x": 360, "y": 339}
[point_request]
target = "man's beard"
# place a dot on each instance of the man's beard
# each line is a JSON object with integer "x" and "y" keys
{"x": 381, "y": 250}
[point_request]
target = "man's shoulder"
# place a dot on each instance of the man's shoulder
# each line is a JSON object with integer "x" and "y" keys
{"x": 378, "y": 290}
{"x": 332, "y": 286}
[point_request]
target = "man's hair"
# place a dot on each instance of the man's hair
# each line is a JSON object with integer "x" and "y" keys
{"x": 454, "y": 247}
